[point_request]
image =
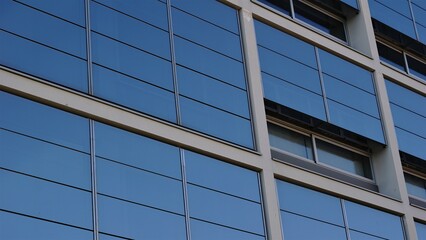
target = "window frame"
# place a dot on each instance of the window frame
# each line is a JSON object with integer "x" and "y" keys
{"x": 415, "y": 200}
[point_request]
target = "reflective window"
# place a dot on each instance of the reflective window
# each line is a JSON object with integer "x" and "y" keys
{"x": 416, "y": 186}
{"x": 421, "y": 231}
{"x": 391, "y": 56}
{"x": 204, "y": 231}
{"x": 416, "y": 67}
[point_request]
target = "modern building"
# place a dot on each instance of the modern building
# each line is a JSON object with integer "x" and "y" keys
{"x": 204, "y": 119}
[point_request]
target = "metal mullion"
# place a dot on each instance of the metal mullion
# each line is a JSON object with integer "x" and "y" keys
{"x": 320, "y": 74}
{"x": 185, "y": 194}
{"x": 88, "y": 48}
{"x": 414, "y": 19}
{"x": 345, "y": 219}
{"x": 93, "y": 180}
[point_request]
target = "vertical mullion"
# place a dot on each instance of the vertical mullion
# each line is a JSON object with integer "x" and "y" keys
{"x": 185, "y": 194}
{"x": 345, "y": 219}
{"x": 93, "y": 179}
{"x": 173, "y": 61}
{"x": 414, "y": 19}
{"x": 88, "y": 48}
{"x": 320, "y": 74}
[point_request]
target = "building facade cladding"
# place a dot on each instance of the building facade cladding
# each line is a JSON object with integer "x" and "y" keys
{"x": 146, "y": 120}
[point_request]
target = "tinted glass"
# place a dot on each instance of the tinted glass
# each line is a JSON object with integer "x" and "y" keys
{"x": 46, "y": 123}
{"x": 37, "y": 60}
{"x": 292, "y": 96}
{"x": 391, "y": 56}
{"x": 44, "y": 160}
{"x": 135, "y": 94}
{"x": 292, "y": 198}
{"x": 290, "y": 141}
{"x": 206, "y": 231}
{"x": 225, "y": 210}
{"x": 46, "y": 200}
{"x": 296, "y": 227}
{"x": 343, "y": 159}
{"x": 415, "y": 186}
{"x": 352, "y": 3}
{"x": 419, "y": 12}
{"x": 210, "y": 63}
{"x": 129, "y": 30}
{"x": 233, "y": 180}
{"x": 411, "y": 143}
{"x": 280, "y": 5}
{"x": 212, "y": 92}
{"x": 206, "y": 34}
{"x": 416, "y": 67}
{"x": 205, "y": 119}
{"x": 131, "y": 61}
{"x": 406, "y": 98}
{"x": 362, "y": 236}
{"x": 134, "y": 221}
{"x": 409, "y": 121}
{"x": 421, "y": 231}
{"x": 137, "y": 151}
{"x": 17, "y": 227}
{"x": 139, "y": 186}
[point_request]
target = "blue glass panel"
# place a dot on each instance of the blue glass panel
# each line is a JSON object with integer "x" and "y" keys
{"x": 137, "y": 151}
{"x": 129, "y": 30}
{"x": 355, "y": 121}
{"x": 415, "y": 186}
{"x": 107, "y": 237}
{"x": 419, "y": 14}
{"x": 43, "y": 62}
{"x": 421, "y": 231}
{"x": 289, "y": 70}
{"x": 293, "y": 97}
{"x": 212, "y": 92}
{"x": 405, "y": 98}
{"x": 377, "y": 223}
{"x": 44, "y": 122}
{"x": 234, "y": 180}
{"x": 346, "y": 71}
{"x": 215, "y": 122}
{"x": 208, "y": 62}
{"x": 206, "y": 231}
{"x": 16, "y": 227}
{"x": 211, "y": 11}
{"x": 134, "y": 221}
{"x": 411, "y": 143}
{"x": 409, "y": 121}
{"x": 351, "y": 96}
{"x": 225, "y": 210}
{"x": 400, "y": 6}
{"x": 151, "y": 11}
{"x": 362, "y": 236}
{"x": 71, "y": 10}
{"x": 206, "y": 34}
{"x": 139, "y": 186}
{"x": 422, "y": 33}
{"x": 296, "y": 227}
{"x": 392, "y": 18}
{"x": 133, "y": 93}
{"x": 419, "y": 3}
{"x": 39, "y": 198}
{"x": 293, "y": 199}
{"x": 44, "y": 160}
{"x": 294, "y": 48}
{"x": 44, "y": 28}
{"x": 132, "y": 61}
{"x": 352, "y": 3}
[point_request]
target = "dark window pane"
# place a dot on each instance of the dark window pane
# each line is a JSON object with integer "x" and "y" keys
{"x": 44, "y": 28}
{"x": 210, "y": 63}
{"x": 206, "y": 231}
{"x": 71, "y": 10}
{"x": 131, "y": 61}
{"x": 206, "y": 34}
{"x": 296, "y": 227}
{"x": 289, "y": 70}
{"x": 280, "y": 5}
{"x": 150, "y": 11}
{"x": 234, "y": 180}
{"x": 129, "y": 30}
{"x": 355, "y": 121}
{"x": 343, "y": 159}
{"x": 44, "y": 160}
{"x": 350, "y": 96}
{"x": 212, "y": 92}
{"x": 133, "y": 93}
{"x": 287, "y": 140}
{"x": 134, "y": 221}
{"x": 215, "y": 122}
{"x": 43, "y": 62}
{"x": 377, "y": 223}
{"x": 211, "y": 11}
{"x": 44, "y": 122}
{"x": 16, "y": 227}
{"x": 346, "y": 71}
{"x": 390, "y": 56}
{"x": 139, "y": 186}
{"x": 293, "y": 48}
{"x": 137, "y": 151}
{"x": 39, "y": 198}
{"x": 293, "y": 97}
{"x": 225, "y": 210}
{"x": 416, "y": 67}
{"x": 293, "y": 199}
{"x": 319, "y": 20}
{"x": 415, "y": 186}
